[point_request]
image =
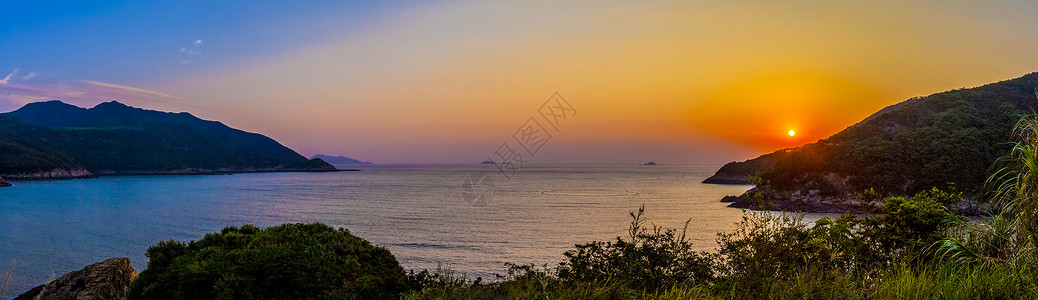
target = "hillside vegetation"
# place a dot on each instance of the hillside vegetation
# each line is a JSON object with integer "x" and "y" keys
{"x": 945, "y": 140}
{"x": 112, "y": 138}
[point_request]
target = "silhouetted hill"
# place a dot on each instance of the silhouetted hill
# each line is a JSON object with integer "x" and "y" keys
{"x": 340, "y": 160}
{"x": 112, "y": 138}
{"x": 932, "y": 141}
{"x": 740, "y": 172}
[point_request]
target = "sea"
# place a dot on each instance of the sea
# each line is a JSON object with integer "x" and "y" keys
{"x": 467, "y": 219}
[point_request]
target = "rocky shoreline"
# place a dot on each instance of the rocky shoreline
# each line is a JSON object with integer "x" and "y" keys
{"x": 66, "y": 174}
{"x": 829, "y": 205}
{"x": 727, "y": 179}
{"x": 813, "y": 202}
{"x": 56, "y": 174}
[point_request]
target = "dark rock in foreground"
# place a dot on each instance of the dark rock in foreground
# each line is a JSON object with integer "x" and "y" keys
{"x": 4, "y": 183}
{"x": 108, "y": 279}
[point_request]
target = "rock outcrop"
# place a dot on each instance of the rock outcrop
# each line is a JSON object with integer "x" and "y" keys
{"x": 4, "y": 183}
{"x": 55, "y": 174}
{"x": 108, "y": 279}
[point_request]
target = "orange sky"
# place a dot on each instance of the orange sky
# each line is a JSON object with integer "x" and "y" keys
{"x": 667, "y": 81}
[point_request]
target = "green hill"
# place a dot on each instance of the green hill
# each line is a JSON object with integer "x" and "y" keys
{"x": 56, "y": 140}
{"x": 924, "y": 142}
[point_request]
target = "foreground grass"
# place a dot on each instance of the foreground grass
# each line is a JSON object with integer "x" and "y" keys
{"x": 768, "y": 257}
{"x": 904, "y": 282}
{"x": 957, "y": 282}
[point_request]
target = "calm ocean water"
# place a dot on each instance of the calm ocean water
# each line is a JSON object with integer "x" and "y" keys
{"x": 417, "y": 211}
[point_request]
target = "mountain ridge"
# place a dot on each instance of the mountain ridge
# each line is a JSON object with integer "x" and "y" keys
{"x": 56, "y": 140}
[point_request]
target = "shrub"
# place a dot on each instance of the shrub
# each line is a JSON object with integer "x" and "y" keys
{"x": 290, "y": 261}
{"x": 649, "y": 260}
{"x": 911, "y": 224}
{"x": 764, "y": 249}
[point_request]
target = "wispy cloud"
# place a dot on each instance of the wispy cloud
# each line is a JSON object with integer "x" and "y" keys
{"x": 130, "y": 90}
{"x": 190, "y": 50}
{"x": 15, "y": 95}
{"x": 31, "y": 75}
{"x": 87, "y": 93}
{"x": 7, "y": 79}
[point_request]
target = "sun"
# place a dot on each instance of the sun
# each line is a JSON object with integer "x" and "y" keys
{"x": 792, "y": 133}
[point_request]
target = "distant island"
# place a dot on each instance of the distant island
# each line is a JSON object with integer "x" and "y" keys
{"x": 949, "y": 140}
{"x": 339, "y": 160}
{"x": 55, "y": 140}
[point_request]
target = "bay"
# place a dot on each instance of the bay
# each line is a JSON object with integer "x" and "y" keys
{"x": 49, "y": 228}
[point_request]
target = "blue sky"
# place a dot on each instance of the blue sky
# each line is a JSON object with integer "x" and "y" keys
{"x": 140, "y": 42}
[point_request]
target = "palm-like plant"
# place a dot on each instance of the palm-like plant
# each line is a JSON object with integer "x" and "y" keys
{"x": 993, "y": 240}
{"x": 1017, "y": 192}
{"x": 1010, "y": 235}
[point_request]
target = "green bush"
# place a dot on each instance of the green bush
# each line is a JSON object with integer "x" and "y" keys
{"x": 771, "y": 254}
{"x": 291, "y": 261}
{"x": 911, "y": 224}
{"x": 651, "y": 260}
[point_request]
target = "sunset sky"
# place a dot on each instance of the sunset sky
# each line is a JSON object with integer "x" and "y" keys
{"x": 703, "y": 82}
